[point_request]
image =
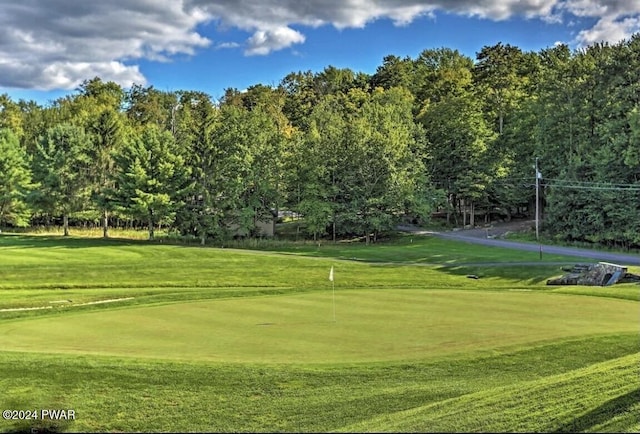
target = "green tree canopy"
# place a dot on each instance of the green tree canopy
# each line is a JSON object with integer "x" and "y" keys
{"x": 15, "y": 181}
{"x": 153, "y": 179}
{"x": 61, "y": 168}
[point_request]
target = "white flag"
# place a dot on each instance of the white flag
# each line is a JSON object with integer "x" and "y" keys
{"x": 331, "y": 274}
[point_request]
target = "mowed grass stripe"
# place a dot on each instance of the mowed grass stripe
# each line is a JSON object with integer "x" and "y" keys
{"x": 135, "y": 395}
{"x": 371, "y": 325}
{"x": 46, "y": 262}
{"x": 401, "y": 249}
{"x": 568, "y": 402}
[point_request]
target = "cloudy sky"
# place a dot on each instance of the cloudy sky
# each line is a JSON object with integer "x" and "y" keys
{"x": 48, "y": 47}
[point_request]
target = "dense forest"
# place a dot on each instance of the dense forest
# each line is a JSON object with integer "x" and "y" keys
{"x": 352, "y": 153}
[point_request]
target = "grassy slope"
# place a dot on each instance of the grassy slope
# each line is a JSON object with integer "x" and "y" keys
{"x": 115, "y": 394}
{"x": 111, "y": 394}
{"x": 84, "y": 270}
{"x": 568, "y": 402}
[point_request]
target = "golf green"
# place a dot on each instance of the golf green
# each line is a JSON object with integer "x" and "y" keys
{"x": 370, "y": 325}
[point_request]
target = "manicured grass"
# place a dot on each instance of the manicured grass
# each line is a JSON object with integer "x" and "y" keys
{"x": 624, "y": 291}
{"x": 370, "y": 326}
{"x": 417, "y": 249}
{"x": 115, "y": 394}
{"x": 63, "y": 268}
{"x": 561, "y": 403}
{"x": 237, "y": 340}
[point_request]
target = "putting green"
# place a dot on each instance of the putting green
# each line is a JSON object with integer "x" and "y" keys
{"x": 371, "y": 325}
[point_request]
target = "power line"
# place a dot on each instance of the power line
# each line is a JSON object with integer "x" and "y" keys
{"x": 582, "y": 187}
{"x": 559, "y": 183}
{"x": 594, "y": 183}
{"x": 590, "y": 185}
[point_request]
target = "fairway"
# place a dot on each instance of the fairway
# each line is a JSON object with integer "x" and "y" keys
{"x": 371, "y": 325}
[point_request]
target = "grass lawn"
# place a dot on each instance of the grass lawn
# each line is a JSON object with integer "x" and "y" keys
{"x": 371, "y": 325}
{"x": 206, "y": 339}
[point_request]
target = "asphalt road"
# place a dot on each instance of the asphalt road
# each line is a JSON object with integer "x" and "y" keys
{"x": 480, "y": 237}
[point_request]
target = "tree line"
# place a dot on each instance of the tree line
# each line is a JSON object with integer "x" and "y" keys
{"x": 352, "y": 153}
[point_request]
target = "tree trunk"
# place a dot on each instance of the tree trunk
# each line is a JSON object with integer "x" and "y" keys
{"x": 453, "y": 207}
{"x": 472, "y": 219}
{"x": 464, "y": 213}
{"x": 367, "y": 238}
{"x": 65, "y": 224}
{"x": 105, "y": 224}
{"x": 151, "y": 225}
{"x": 276, "y": 215}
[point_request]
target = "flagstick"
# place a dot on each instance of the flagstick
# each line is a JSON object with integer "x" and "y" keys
{"x": 333, "y": 286}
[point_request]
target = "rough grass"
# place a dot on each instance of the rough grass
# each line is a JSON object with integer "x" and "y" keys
{"x": 545, "y": 238}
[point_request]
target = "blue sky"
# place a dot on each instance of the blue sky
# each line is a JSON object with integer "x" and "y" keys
{"x": 357, "y": 49}
{"x": 47, "y": 47}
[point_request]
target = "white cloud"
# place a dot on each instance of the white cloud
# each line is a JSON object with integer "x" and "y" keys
{"x": 270, "y": 20}
{"x": 49, "y": 44}
{"x": 64, "y": 75}
{"x": 609, "y": 29}
{"x": 616, "y": 19}
{"x": 265, "y": 41}
{"x": 227, "y": 45}
{"x": 53, "y": 44}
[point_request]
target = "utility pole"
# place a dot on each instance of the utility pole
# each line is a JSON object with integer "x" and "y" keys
{"x": 538, "y": 176}
{"x": 537, "y": 198}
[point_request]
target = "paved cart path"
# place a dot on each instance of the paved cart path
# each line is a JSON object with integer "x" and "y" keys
{"x": 485, "y": 236}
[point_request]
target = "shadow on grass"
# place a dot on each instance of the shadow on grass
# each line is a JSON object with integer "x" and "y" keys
{"x": 42, "y": 241}
{"x": 38, "y": 429}
{"x": 529, "y": 273}
{"x": 14, "y": 240}
{"x": 603, "y": 413}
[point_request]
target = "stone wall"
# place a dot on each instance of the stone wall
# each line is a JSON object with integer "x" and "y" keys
{"x": 600, "y": 274}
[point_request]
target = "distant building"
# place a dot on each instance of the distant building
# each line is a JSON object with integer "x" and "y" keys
{"x": 265, "y": 226}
